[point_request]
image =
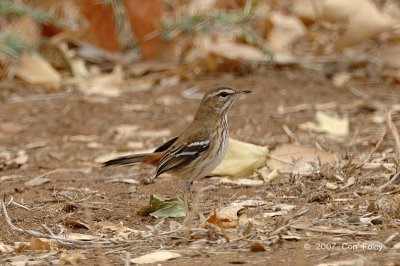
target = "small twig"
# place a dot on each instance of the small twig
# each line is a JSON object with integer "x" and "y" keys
{"x": 128, "y": 259}
{"x": 42, "y": 97}
{"x": 373, "y": 150}
{"x": 17, "y": 204}
{"x": 391, "y": 181}
{"x": 390, "y": 238}
{"x": 340, "y": 231}
{"x": 393, "y": 129}
{"x": 279, "y": 160}
{"x": 371, "y": 102}
{"x": 289, "y": 132}
{"x": 48, "y": 230}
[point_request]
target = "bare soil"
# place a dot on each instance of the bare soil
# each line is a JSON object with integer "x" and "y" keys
{"x": 88, "y": 196}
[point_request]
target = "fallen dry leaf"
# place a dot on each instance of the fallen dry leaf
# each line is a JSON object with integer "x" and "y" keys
{"x": 341, "y": 78}
{"x": 37, "y": 181}
{"x": 350, "y": 181}
{"x": 122, "y": 232}
{"x": 283, "y": 207}
{"x": 267, "y": 175}
{"x": 273, "y": 214}
{"x": 71, "y": 258}
{"x": 37, "y": 71}
{"x": 246, "y": 182}
{"x": 207, "y": 52}
{"x": 357, "y": 14}
{"x": 328, "y": 124}
{"x": 226, "y": 217}
{"x": 331, "y": 186}
{"x": 257, "y": 246}
{"x": 12, "y": 128}
{"x": 37, "y": 244}
{"x": 157, "y": 256}
{"x": 6, "y": 248}
{"x": 306, "y": 10}
{"x": 291, "y": 158}
{"x": 286, "y": 29}
{"x": 72, "y": 223}
{"x": 108, "y": 85}
{"x": 78, "y": 236}
{"x": 241, "y": 159}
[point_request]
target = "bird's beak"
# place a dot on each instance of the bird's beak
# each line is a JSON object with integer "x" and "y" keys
{"x": 242, "y": 91}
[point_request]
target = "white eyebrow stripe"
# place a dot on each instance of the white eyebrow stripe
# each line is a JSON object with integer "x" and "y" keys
{"x": 229, "y": 91}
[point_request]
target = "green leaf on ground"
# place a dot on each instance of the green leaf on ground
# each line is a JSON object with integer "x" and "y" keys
{"x": 158, "y": 208}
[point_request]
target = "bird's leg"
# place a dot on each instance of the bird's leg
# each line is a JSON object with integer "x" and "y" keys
{"x": 195, "y": 200}
{"x": 186, "y": 193}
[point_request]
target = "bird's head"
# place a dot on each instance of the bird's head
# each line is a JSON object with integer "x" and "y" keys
{"x": 219, "y": 100}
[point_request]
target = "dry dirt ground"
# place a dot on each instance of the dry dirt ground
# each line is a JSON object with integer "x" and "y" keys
{"x": 64, "y": 136}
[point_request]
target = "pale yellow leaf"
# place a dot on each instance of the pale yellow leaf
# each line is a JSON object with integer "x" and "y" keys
{"x": 6, "y": 248}
{"x": 78, "y": 236}
{"x": 335, "y": 127}
{"x": 241, "y": 159}
{"x": 246, "y": 182}
{"x": 108, "y": 85}
{"x": 71, "y": 258}
{"x": 351, "y": 181}
{"x": 157, "y": 256}
{"x": 332, "y": 125}
{"x": 37, "y": 71}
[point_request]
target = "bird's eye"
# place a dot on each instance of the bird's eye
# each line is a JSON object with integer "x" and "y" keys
{"x": 223, "y": 94}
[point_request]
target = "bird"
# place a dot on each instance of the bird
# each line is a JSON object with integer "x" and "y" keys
{"x": 200, "y": 148}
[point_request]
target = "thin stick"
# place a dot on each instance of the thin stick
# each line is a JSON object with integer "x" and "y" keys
{"x": 390, "y": 238}
{"x": 343, "y": 231}
{"x": 391, "y": 181}
{"x": 373, "y": 150}
{"x": 43, "y": 97}
{"x": 393, "y": 129}
{"x": 279, "y": 160}
{"x": 371, "y": 102}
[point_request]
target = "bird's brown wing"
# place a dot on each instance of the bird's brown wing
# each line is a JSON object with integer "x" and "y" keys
{"x": 181, "y": 155}
{"x": 166, "y": 145}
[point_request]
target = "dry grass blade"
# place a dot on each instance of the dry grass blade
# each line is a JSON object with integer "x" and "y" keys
{"x": 391, "y": 181}
{"x": 373, "y": 150}
{"x": 337, "y": 231}
{"x": 368, "y": 99}
{"x": 393, "y": 130}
